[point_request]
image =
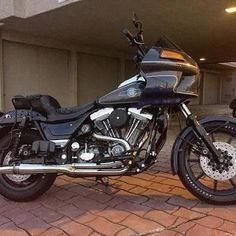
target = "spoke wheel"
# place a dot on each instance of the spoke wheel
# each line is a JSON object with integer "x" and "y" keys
{"x": 23, "y": 187}
{"x": 210, "y": 181}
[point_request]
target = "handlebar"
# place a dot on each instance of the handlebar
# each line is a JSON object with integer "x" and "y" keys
{"x": 129, "y": 36}
{"x": 136, "y": 39}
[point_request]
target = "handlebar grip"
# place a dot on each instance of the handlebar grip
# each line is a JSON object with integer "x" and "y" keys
{"x": 128, "y": 35}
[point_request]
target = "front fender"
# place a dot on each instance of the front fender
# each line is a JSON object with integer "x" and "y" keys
{"x": 181, "y": 137}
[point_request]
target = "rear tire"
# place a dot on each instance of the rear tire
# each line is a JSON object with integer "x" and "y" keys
{"x": 32, "y": 186}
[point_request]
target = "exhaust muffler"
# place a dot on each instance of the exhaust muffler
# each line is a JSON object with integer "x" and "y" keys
{"x": 87, "y": 169}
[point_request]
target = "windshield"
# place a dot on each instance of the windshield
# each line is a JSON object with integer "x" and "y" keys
{"x": 165, "y": 42}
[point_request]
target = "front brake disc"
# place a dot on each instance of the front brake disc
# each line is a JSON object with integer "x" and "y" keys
{"x": 215, "y": 173}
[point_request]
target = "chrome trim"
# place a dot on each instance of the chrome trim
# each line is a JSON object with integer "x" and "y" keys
{"x": 118, "y": 140}
{"x": 60, "y": 142}
{"x": 131, "y": 80}
{"x": 69, "y": 169}
{"x": 184, "y": 109}
{"x": 139, "y": 114}
{"x": 107, "y": 165}
{"x": 101, "y": 114}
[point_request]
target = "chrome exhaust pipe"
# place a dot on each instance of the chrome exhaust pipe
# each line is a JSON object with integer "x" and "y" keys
{"x": 69, "y": 169}
{"x": 111, "y": 139}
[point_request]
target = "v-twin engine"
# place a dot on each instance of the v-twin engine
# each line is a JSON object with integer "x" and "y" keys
{"x": 127, "y": 124}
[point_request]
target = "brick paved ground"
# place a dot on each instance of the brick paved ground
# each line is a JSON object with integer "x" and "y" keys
{"x": 151, "y": 203}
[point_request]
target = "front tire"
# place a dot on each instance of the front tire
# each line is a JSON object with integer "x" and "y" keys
{"x": 208, "y": 181}
{"x": 22, "y": 188}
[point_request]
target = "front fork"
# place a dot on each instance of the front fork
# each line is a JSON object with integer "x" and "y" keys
{"x": 202, "y": 134}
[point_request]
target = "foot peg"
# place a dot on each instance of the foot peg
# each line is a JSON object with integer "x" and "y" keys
{"x": 103, "y": 180}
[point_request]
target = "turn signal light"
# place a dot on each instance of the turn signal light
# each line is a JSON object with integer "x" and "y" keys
{"x": 168, "y": 54}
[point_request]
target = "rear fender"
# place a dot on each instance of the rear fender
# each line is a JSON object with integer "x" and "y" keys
{"x": 183, "y": 134}
{"x": 16, "y": 116}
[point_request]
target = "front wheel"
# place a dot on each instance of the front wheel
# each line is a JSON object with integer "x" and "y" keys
{"x": 23, "y": 187}
{"x": 210, "y": 181}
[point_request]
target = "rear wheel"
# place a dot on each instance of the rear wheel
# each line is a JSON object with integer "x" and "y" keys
{"x": 23, "y": 187}
{"x": 202, "y": 176}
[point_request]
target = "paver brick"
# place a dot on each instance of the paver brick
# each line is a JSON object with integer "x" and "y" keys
{"x": 161, "y": 187}
{"x": 47, "y": 214}
{"x": 161, "y": 205}
{"x": 183, "y": 228}
{"x": 72, "y": 228}
{"x": 132, "y": 180}
{"x": 65, "y": 195}
{"x": 227, "y": 213}
{"x": 34, "y": 226}
{"x": 137, "y": 209}
{"x": 18, "y": 215}
{"x": 100, "y": 196}
{"x": 165, "y": 233}
{"x": 85, "y": 218}
{"x": 229, "y": 227}
{"x": 161, "y": 217}
{"x": 53, "y": 232}
{"x": 141, "y": 225}
{"x": 189, "y": 214}
{"x": 9, "y": 229}
{"x": 126, "y": 232}
{"x": 210, "y": 222}
{"x": 79, "y": 189}
{"x": 70, "y": 211}
{"x": 114, "y": 215}
{"x": 181, "y": 201}
{"x": 87, "y": 204}
{"x": 104, "y": 226}
{"x": 135, "y": 198}
{"x": 198, "y": 229}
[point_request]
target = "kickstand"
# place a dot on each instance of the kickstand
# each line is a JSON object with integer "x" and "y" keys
{"x": 103, "y": 180}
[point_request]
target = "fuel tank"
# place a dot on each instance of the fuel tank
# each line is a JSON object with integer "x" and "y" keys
{"x": 129, "y": 93}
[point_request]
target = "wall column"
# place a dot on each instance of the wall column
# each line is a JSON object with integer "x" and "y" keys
{"x": 1, "y": 75}
{"x": 73, "y": 78}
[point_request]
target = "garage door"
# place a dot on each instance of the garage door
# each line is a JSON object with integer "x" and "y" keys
{"x": 30, "y": 69}
{"x": 210, "y": 88}
{"x": 97, "y": 75}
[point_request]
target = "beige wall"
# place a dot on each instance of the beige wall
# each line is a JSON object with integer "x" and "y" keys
{"x": 30, "y": 69}
{"x": 97, "y": 75}
{"x": 130, "y": 69}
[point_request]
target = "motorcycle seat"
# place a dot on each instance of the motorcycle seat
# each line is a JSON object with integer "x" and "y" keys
{"x": 49, "y": 107}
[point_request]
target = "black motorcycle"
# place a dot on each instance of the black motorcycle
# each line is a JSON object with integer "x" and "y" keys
{"x": 121, "y": 133}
